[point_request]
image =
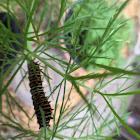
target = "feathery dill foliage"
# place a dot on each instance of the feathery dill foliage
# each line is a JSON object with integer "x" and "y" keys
{"x": 69, "y": 122}
{"x": 93, "y": 18}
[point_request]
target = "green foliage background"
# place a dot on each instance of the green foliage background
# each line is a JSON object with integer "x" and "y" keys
{"x": 94, "y": 15}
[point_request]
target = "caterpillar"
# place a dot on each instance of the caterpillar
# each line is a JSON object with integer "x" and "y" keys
{"x": 38, "y": 95}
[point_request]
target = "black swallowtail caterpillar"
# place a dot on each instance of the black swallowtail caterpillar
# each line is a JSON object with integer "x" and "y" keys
{"x": 38, "y": 95}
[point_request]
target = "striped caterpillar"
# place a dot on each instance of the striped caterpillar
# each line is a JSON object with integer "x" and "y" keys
{"x": 38, "y": 95}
